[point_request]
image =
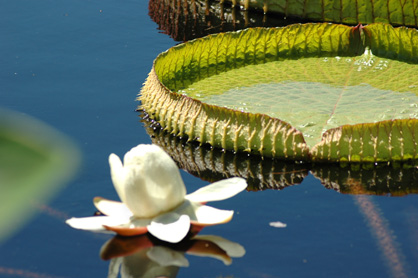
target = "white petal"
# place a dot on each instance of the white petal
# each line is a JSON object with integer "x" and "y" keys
{"x": 112, "y": 208}
{"x": 152, "y": 183}
{"x": 204, "y": 215}
{"x": 95, "y": 223}
{"x": 117, "y": 174}
{"x": 170, "y": 227}
{"x": 166, "y": 256}
{"x": 217, "y": 191}
{"x": 233, "y": 249}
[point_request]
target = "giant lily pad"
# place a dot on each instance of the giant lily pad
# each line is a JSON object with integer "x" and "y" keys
{"x": 342, "y": 11}
{"x": 312, "y": 92}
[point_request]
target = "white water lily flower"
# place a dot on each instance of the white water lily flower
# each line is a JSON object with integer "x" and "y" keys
{"x": 154, "y": 198}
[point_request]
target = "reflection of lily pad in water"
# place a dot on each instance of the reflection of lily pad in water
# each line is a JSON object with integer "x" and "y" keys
{"x": 390, "y": 180}
{"x": 302, "y": 78}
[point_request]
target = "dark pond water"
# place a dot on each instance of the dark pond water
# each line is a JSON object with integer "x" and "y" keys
{"x": 78, "y": 65}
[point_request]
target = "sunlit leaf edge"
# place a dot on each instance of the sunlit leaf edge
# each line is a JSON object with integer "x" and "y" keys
{"x": 391, "y": 140}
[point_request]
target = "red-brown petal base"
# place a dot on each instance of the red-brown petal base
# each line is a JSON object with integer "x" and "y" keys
{"x": 126, "y": 231}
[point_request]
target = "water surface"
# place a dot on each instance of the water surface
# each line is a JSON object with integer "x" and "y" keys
{"x": 78, "y": 65}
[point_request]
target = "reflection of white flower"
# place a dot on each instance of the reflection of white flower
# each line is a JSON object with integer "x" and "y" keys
{"x": 139, "y": 257}
{"x": 154, "y": 198}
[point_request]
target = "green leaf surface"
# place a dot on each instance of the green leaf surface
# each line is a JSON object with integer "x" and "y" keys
{"x": 322, "y": 80}
{"x": 318, "y": 94}
{"x": 395, "y": 12}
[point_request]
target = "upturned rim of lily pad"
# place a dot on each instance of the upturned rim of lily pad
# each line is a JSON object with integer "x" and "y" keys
{"x": 174, "y": 218}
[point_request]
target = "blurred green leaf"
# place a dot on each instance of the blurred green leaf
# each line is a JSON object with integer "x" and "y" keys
{"x": 35, "y": 161}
